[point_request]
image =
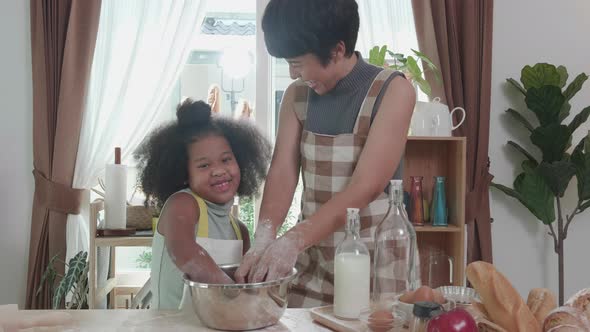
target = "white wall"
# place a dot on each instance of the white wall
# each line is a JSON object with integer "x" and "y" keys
{"x": 527, "y": 32}
{"x": 16, "y": 159}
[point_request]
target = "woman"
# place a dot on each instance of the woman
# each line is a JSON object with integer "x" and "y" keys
{"x": 344, "y": 123}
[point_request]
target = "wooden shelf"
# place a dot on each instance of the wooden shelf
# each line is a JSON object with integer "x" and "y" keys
{"x": 438, "y": 229}
{"x": 441, "y": 156}
{"x": 124, "y": 241}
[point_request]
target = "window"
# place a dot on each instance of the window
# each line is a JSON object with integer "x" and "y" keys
{"x": 223, "y": 55}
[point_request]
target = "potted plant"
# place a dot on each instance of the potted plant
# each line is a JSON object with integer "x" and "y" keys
{"x": 406, "y": 64}
{"x": 547, "y": 170}
{"x": 74, "y": 282}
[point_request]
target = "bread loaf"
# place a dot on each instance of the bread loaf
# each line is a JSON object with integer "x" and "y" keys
{"x": 564, "y": 319}
{"x": 504, "y": 305}
{"x": 484, "y": 325}
{"x": 479, "y": 307}
{"x": 477, "y": 311}
{"x": 541, "y": 301}
{"x": 581, "y": 300}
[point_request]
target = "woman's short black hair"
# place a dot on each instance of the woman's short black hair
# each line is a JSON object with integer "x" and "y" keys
{"x": 296, "y": 27}
{"x": 162, "y": 158}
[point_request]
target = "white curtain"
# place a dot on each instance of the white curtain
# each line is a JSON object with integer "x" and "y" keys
{"x": 141, "y": 49}
{"x": 386, "y": 22}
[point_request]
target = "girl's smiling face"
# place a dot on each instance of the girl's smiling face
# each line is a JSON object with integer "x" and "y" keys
{"x": 214, "y": 173}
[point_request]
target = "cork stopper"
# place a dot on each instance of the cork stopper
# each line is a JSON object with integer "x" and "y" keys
{"x": 117, "y": 155}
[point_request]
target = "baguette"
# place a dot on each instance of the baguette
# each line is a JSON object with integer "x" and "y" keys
{"x": 478, "y": 307}
{"x": 581, "y": 300}
{"x": 478, "y": 313}
{"x": 502, "y": 302}
{"x": 484, "y": 325}
{"x": 541, "y": 301}
{"x": 565, "y": 319}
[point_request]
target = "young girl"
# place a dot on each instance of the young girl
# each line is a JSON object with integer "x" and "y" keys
{"x": 196, "y": 165}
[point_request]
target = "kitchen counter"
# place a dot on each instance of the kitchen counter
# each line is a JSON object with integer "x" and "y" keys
{"x": 152, "y": 320}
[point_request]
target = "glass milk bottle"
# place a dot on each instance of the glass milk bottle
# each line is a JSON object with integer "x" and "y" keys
{"x": 396, "y": 263}
{"x": 352, "y": 266}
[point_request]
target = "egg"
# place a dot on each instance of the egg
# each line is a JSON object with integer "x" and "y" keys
{"x": 407, "y": 297}
{"x": 438, "y": 297}
{"x": 380, "y": 328}
{"x": 424, "y": 294}
{"x": 380, "y": 321}
{"x": 381, "y": 315}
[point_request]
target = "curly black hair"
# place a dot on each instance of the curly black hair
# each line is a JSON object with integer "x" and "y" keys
{"x": 163, "y": 156}
{"x": 296, "y": 27}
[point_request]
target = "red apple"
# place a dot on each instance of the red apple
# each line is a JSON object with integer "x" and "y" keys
{"x": 457, "y": 320}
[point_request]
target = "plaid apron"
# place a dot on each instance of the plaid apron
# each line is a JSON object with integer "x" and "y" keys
{"x": 327, "y": 164}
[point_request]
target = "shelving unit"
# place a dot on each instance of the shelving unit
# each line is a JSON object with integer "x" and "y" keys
{"x": 94, "y": 292}
{"x": 431, "y": 229}
{"x": 441, "y": 156}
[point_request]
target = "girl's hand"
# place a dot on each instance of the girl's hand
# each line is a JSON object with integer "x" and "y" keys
{"x": 222, "y": 278}
{"x": 207, "y": 274}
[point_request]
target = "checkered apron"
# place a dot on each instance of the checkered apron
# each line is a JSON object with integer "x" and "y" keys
{"x": 327, "y": 164}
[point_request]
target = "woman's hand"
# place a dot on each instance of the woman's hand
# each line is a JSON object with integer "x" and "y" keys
{"x": 251, "y": 258}
{"x": 263, "y": 238}
{"x": 278, "y": 259}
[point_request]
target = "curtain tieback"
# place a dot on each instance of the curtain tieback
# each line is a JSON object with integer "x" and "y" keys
{"x": 56, "y": 196}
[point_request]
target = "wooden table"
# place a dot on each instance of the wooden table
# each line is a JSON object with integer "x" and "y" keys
{"x": 153, "y": 320}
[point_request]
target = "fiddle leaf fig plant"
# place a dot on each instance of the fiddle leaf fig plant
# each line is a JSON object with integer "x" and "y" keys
{"x": 406, "y": 64}
{"x": 548, "y": 169}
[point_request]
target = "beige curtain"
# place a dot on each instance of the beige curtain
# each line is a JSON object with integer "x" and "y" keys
{"x": 63, "y": 35}
{"x": 457, "y": 35}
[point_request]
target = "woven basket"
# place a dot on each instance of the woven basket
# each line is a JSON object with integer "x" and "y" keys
{"x": 140, "y": 217}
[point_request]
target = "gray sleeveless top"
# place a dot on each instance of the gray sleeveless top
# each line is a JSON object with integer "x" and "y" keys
{"x": 335, "y": 112}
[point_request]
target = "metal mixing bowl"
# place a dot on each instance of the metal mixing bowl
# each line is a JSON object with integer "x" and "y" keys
{"x": 239, "y": 307}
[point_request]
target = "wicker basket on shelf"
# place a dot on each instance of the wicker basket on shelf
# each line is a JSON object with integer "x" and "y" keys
{"x": 140, "y": 217}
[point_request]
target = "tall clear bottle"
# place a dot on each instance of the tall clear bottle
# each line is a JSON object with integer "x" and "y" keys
{"x": 396, "y": 263}
{"x": 352, "y": 265}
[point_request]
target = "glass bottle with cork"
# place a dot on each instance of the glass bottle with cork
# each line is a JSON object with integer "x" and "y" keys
{"x": 352, "y": 265}
{"x": 396, "y": 262}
